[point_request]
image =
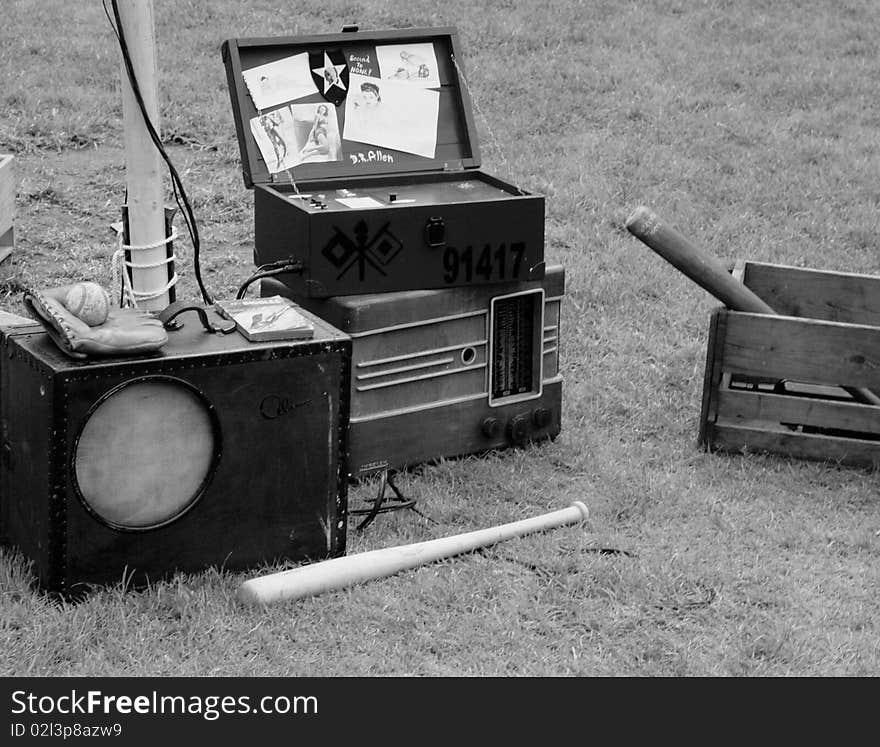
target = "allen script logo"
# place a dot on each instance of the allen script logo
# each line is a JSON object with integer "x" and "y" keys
{"x": 377, "y": 251}
{"x": 275, "y": 406}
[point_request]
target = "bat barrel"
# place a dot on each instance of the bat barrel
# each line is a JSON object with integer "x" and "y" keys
{"x": 337, "y": 573}
{"x": 699, "y": 265}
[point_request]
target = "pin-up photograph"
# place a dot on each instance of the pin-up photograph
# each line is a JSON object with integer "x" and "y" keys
{"x": 415, "y": 63}
{"x": 392, "y": 114}
{"x": 274, "y": 83}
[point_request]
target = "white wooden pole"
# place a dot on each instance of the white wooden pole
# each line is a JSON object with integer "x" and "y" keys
{"x": 143, "y": 166}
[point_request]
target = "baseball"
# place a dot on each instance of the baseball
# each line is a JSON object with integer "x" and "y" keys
{"x": 89, "y": 302}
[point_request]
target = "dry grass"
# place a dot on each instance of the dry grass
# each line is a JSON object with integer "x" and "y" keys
{"x": 751, "y": 125}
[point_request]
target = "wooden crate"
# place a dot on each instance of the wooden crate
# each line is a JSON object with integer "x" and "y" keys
{"x": 7, "y": 205}
{"x": 775, "y": 383}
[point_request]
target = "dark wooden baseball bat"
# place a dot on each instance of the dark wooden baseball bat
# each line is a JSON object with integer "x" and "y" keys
{"x": 708, "y": 272}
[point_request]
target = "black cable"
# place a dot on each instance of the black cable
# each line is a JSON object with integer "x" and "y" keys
{"x": 177, "y": 188}
{"x": 269, "y": 270}
{"x": 378, "y": 505}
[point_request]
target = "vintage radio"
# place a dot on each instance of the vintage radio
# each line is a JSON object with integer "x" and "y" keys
{"x": 372, "y": 183}
{"x": 442, "y": 373}
{"x": 215, "y": 451}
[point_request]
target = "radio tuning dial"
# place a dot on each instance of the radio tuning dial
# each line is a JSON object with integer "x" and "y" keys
{"x": 541, "y": 417}
{"x": 518, "y": 429}
{"x": 491, "y": 427}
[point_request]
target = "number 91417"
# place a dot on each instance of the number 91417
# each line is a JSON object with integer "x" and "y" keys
{"x": 469, "y": 264}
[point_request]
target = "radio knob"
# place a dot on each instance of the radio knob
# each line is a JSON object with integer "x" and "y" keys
{"x": 518, "y": 429}
{"x": 541, "y": 417}
{"x": 491, "y": 427}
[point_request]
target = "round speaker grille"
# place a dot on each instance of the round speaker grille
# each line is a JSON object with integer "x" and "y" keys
{"x": 145, "y": 453}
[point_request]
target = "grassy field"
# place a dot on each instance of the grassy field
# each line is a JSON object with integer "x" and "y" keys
{"x": 753, "y": 126}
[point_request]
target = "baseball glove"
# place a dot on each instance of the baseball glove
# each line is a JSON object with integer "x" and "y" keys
{"x": 126, "y": 331}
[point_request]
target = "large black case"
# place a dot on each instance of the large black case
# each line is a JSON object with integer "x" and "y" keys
{"x": 215, "y": 452}
{"x": 434, "y": 222}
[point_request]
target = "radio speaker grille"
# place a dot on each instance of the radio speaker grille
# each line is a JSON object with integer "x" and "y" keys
{"x": 145, "y": 453}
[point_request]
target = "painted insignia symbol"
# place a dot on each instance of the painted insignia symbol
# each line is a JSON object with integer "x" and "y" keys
{"x": 330, "y": 74}
{"x": 345, "y": 253}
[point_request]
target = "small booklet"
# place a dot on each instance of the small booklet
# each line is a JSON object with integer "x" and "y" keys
{"x": 271, "y": 318}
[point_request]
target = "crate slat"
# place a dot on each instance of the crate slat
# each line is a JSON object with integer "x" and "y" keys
{"x": 782, "y": 408}
{"x": 812, "y": 446}
{"x": 804, "y": 350}
{"x": 815, "y": 294}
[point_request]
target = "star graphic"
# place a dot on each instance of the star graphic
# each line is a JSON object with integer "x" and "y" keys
{"x": 328, "y": 70}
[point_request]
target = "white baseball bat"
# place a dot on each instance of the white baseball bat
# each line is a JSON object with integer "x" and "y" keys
{"x": 337, "y": 573}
